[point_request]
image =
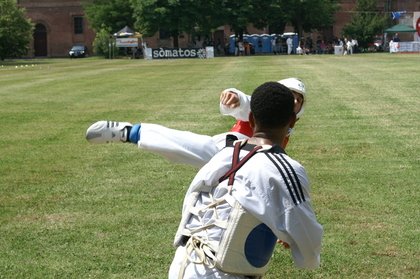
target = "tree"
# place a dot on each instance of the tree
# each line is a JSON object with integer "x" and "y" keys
{"x": 109, "y": 14}
{"x": 173, "y": 17}
{"x": 206, "y": 15}
{"x": 307, "y": 15}
{"x": 238, "y": 14}
{"x": 304, "y": 15}
{"x": 198, "y": 16}
{"x": 367, "y": 22}
{"x": 168, "y": 16}
{"x": 273, "y": 14}
{"x": 104, "y": 44}
{"x": 15, "y": 30}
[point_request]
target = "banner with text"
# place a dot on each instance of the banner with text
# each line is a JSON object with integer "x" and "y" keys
{"x": 127, "y": 42}
{"x": 171, "y": 53}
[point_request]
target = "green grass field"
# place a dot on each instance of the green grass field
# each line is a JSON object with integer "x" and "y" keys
{"x": 69, "y": 209}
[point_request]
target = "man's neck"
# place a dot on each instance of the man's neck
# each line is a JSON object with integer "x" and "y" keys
{"x": 265, "y": 138}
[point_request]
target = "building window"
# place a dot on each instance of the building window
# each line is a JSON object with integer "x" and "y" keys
{"x": 78, "y": 25}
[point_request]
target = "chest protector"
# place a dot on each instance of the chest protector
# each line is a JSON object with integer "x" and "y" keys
{"x": 246, "y": 245}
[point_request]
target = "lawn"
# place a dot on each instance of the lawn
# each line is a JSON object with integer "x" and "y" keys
{"x": 69, "y": 209}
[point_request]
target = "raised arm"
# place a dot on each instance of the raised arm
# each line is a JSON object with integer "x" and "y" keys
{"x": 235, "y": 103}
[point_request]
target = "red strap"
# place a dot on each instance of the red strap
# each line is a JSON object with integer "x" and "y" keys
{"x": 236, "y": 163}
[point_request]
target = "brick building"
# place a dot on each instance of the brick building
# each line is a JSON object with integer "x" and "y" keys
{"x": 61, "y": 24}
{"x": 58, "y": 26}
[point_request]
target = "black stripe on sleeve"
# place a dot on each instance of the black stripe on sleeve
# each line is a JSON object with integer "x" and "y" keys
{"x": 283, "y": 175}
{"x": 296, "y": 178}
{"x": 293, "y": 179}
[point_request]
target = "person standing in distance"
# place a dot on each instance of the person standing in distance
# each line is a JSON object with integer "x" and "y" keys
{"x": 289, "y": 43}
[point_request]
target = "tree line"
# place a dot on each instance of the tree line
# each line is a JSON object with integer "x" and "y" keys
{"x": 204, "y": 16}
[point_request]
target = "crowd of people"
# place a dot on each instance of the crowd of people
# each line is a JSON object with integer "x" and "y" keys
{"x": 285, "y": 45}
{"x": 347, "y": 45}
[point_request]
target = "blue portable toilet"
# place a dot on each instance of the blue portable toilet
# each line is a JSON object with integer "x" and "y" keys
{"x": 232, "y": 41}
{"x": 253, "y": 39}
{"x": 246, "y": 40}
{"x": 246, "y": 37}
{"x": 266, "y": 43}
{"x": 295, "y": 42}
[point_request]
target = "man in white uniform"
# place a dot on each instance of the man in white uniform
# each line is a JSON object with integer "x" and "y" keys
{"x": 270, "y": 189}
{"x": 186, "y": 147}
{"x": 289, "y": 43}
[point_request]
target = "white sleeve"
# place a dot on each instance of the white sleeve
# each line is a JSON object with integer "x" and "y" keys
{"x": 301, "y": 225}
{"x": 177, "y": 146}
{"x": 241, "y": 112}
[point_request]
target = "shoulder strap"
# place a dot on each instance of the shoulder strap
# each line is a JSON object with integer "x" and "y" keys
{"x": 236, "y": 163}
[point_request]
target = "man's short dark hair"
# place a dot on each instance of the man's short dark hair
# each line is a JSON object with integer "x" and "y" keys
{"x": 272, "y": 105}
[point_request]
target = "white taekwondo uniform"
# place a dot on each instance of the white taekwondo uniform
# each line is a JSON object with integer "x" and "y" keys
{"x": 273, "y": 188}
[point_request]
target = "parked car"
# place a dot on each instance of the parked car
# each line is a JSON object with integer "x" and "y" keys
{"x": 78, "y": 51}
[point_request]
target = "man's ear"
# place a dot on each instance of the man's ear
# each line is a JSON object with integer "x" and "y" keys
{"x": 293, "y": 120}
{"x": 251, "y": 120}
